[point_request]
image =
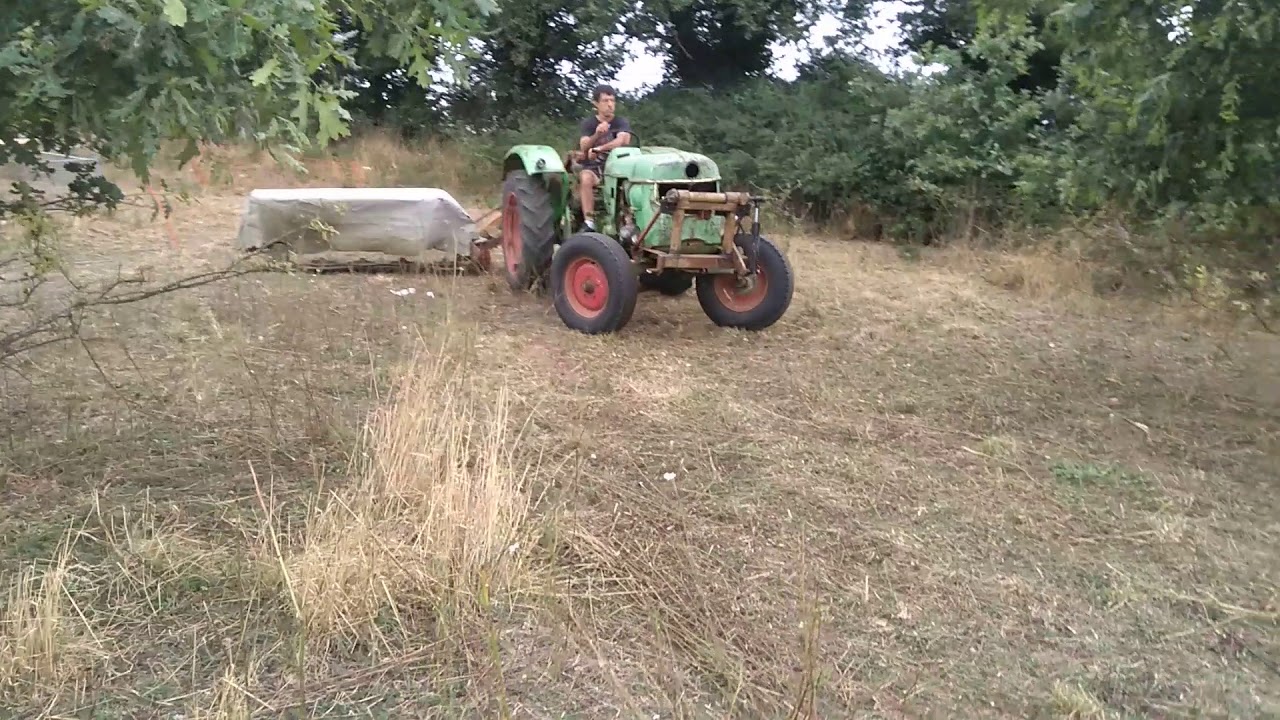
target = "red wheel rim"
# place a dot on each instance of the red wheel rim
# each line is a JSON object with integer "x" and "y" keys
{"x": 586, "y": 287}
{"x": 741, "y": 298}
{"x": 512, "y": 247}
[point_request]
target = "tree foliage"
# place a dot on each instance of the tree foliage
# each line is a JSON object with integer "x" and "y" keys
{"x": 1179, "y": 107}
{"x": 953, "y": 25}
{"x": 718, "y": 43}
{"x": 122, "y": 77}
{"x": 924, "y": 157}
{"x": 1037, "y": 110}
{"x": 1032, "y": 112}
{"x": 539, "y": 58}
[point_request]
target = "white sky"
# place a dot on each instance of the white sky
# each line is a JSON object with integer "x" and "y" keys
{"x": 645, "y": 69}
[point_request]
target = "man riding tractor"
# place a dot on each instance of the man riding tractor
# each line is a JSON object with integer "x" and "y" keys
{"x": 666, "y": 223}
{"x": 601, "y": 133}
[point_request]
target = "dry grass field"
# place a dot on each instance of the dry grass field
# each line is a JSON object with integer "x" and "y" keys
{"x": 948, "y": 485}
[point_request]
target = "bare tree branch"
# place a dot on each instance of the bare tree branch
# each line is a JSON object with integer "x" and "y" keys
{"x": 63, "y": 324}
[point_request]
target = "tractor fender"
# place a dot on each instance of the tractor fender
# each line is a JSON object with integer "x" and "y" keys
{"x": 535, "y": 159}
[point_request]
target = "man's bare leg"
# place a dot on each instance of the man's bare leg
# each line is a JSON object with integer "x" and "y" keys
{"x": 587, "y": 188}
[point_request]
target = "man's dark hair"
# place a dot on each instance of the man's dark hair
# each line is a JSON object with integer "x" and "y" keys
{"x": 603, "y": 90}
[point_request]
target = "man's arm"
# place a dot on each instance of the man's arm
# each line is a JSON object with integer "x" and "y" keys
{"x": 591, "y": 132}
{"x": 624, "y": 136}
{"x": 622, "y": 139}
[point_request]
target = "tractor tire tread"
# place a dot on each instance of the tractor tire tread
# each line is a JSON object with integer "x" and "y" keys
{"x": 537, "y": 231}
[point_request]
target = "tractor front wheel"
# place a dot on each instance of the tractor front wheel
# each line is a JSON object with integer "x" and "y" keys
{"x": 756, "y": 302}
{"x": 593, "y": 284}
{"x": 528, "y": 230}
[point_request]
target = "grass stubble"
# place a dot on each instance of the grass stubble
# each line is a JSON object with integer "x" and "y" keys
{"x": 946, "y": 485}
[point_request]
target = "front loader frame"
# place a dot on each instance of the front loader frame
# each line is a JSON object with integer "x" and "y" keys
{"x": 679, "y": 204}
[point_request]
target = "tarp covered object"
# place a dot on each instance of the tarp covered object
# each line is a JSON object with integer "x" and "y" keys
{"x": 403, "y": 222}
{"x": 53, "y": 184}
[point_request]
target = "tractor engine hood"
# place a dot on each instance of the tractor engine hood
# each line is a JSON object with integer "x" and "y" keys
{"x": 661, "y": 164}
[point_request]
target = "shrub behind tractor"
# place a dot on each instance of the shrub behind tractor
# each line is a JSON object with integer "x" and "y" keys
{"x": 662, "y": 223}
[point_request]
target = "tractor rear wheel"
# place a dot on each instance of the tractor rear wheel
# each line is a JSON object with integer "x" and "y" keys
{"x": 528, "y": 230}
{"x": 593, "y": 284}
{"x": 759, "y": 302}
{"x": 667, "y": 282}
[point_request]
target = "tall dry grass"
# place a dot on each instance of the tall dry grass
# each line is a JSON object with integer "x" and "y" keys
{"x": 433, "y": 524}
{"x": 424, "y": 539}
{"x": 44, "y": 641}
{"x": 228, "y": 699}
{"x": 370, "y": 159}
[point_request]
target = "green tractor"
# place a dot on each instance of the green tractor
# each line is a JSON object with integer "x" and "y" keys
{"x": 662, "y": 223}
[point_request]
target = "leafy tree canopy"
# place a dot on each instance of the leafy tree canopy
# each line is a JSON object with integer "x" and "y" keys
{"x": 717, "y": 43}
{"x": 121, "y": 77}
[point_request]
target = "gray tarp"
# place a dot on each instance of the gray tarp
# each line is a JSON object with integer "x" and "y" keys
{"x": 402, "y": 222}
{"x": 53, "y": 184}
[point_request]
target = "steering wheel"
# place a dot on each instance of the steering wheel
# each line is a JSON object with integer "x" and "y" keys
{"x": 575, "y": 158}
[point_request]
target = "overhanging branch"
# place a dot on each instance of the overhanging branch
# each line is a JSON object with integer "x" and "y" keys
{"x": 59, "y": 325}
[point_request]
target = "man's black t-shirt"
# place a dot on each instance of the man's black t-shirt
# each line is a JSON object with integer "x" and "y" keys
{"x": 617, "y": 125}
